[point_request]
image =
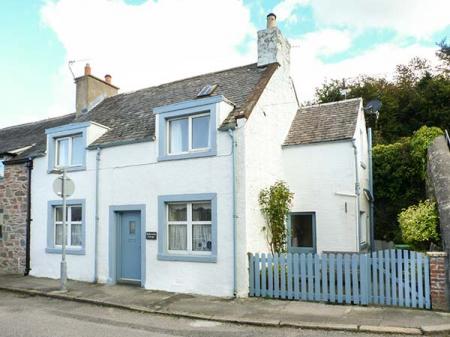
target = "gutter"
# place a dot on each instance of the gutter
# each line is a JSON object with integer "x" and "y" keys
{"x": 233, "y": 155}
{"x": 357, "y": 192}
{"x": 97, "y": 219}
{"x": 372, "y": 201}
{"x": 29, "y": 165}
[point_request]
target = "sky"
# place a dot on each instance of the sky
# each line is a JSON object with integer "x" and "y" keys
{"x": 142, "y": 43}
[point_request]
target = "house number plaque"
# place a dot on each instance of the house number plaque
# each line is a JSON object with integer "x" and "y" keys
{"x": 151, "y": 235}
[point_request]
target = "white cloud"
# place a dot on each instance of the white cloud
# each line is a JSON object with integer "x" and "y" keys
{"x": 145, "y": 45}
{"x": 412, "y": 17}
{"x": 309, "y": 72}
{"x": 284, "y": 9}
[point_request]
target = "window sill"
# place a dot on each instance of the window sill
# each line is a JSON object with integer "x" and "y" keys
{"x": 69, "y": 251}
{"x": 68, "y": 169}
{"x": 188, "y": 258}
{"x": 200, "y": 154}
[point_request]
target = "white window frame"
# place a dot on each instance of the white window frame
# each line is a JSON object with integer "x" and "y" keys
{"x": 2, "y": 167}
{"x": 190, "y": 149}
{"x": 69, "y": 223}
{"x": 69, "y": 150}
{"x": 189, "y": 223}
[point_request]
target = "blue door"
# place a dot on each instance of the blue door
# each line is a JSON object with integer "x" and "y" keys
{"x": 129, "y": 259}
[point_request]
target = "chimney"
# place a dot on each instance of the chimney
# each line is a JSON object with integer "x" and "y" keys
{"x": 273, "y": 47}
{"x": 91, "y": 90}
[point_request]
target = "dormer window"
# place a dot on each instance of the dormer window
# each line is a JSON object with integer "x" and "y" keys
{"x": 188, "y": 129}
{"x": 188, "y": 134}
{"x": 69, "y": 151}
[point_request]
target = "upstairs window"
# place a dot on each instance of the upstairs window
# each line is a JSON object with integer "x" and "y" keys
{"x": 188, "y": 134}
{"x": 69, "y": 151}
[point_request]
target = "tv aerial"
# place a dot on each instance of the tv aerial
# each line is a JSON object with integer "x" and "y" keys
{"x": 373, "y": 107}
{"x": 72, "y": 62}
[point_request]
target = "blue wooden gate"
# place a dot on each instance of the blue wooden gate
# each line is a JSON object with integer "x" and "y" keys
{"x": 389, "y": 277}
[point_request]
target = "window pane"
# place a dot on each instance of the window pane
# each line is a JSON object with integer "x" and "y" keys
{"x": 58, "y": 234}
{"x": 178, "y": 133}
{"x": 201, "y": 211}
{"x": 59, "y": 213}
{"x": 302, "y": 231}
{"x": 2, "y": 168}
{"x": 201, "y": 238}
{"x": 177, "y": 212}
{"x": 200, "y": 132}
{"x": 75, "y": 235}
{"x": 62, "y": 148}
{"x": 77, "y": 150}
{"x": 177, "y": 237}
{"x": 76, "y": 213}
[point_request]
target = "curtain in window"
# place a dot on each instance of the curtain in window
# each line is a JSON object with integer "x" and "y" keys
{"x": 177, "y": 237}
{"x": 75, "y": 235}
{"x": 201, "y": 238}
{"x": 63, "y": 152}
{"x": 178, "y": 135}
{"x": 77, "y": 150}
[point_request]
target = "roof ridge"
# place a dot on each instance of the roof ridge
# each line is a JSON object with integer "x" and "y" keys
{"x": 36, "y": 122}
{"x": 184, "y": 79}
{"x": 331, "y": 103}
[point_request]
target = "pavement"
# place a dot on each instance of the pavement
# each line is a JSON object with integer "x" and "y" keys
{"x": 250, "y": 311}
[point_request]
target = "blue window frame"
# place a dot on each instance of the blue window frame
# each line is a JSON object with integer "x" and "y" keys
{"x": 67, "y": 147}
{"x": 302, "y": 232}
{"x": 188, "y": 129}
{"x": 187, "y": 225}
{"x": 75, "y": 225}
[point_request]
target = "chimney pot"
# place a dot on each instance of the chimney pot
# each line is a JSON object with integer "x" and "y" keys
{"x": 87, "y": 69}
{"x": 108, "y": 78}
{"x": 271, "y": 20}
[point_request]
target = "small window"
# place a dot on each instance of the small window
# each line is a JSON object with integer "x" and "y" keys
{"x": 188, "y": 134}
{"x": 302, "y": 232}
{"x": 69, "y": 151}
{"x": 189, "y": 227}
{"x": 1, "y": 224}
{"x": 74, "y": 226}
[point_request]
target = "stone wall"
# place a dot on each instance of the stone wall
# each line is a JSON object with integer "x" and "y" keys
{"x": 13, "y": 216}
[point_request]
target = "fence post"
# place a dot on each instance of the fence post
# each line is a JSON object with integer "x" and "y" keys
{"x": 438, "y": 281}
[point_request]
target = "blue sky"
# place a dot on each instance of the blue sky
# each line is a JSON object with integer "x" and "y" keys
{"x": 145, "y": 42}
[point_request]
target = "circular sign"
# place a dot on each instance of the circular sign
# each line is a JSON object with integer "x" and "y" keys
{"x": 69, "y": 187}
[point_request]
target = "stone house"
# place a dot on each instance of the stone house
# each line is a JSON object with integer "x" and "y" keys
{"x": 167, "y": 178}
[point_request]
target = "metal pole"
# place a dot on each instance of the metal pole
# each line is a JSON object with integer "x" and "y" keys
{"x": 64, "y": 234}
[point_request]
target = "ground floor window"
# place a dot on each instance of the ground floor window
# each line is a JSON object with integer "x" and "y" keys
{"x": 187, "y": 226}
{"x": 75, "y": 226}
{"x": 302, "y": 232}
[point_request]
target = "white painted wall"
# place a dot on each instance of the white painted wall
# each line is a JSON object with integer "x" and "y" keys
{"x": 260, "y": 163}
{"x": 131, "y": 174}
{"x": 322, "y": 176}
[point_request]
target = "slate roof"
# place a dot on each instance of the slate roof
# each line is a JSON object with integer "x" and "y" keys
{"x": 324, "y": 122}
{"x": 130, "y": 115}
{"x": 24, "y": 135}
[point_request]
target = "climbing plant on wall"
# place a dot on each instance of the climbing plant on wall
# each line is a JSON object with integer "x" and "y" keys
{"x": 275, "y": 202}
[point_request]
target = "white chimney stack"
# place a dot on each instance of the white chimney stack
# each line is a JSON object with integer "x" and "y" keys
{"x": 273, "y": 47}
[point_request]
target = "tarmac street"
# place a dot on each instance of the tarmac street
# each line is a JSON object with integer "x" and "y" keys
{"x": 27, "y": 316}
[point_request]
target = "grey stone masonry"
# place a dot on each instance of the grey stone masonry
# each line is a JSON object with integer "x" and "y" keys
{"x": 13, "y": 217}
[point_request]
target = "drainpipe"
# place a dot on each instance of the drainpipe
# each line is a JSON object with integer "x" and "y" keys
{"x": 28, "y": 225}
{"x": 357, "y": 192}
{"x": 233, "y": 155}
{"x": 97, "y": 219}
{"x": 372, "y": 199}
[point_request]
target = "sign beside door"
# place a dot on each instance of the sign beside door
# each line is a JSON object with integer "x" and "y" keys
{"x": 151, "y": 235}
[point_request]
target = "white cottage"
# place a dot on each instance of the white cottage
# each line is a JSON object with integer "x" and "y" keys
{"x": 167, "y": 178}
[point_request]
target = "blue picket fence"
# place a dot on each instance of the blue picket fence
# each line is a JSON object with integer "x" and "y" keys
{"x": 390, "y": 277}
